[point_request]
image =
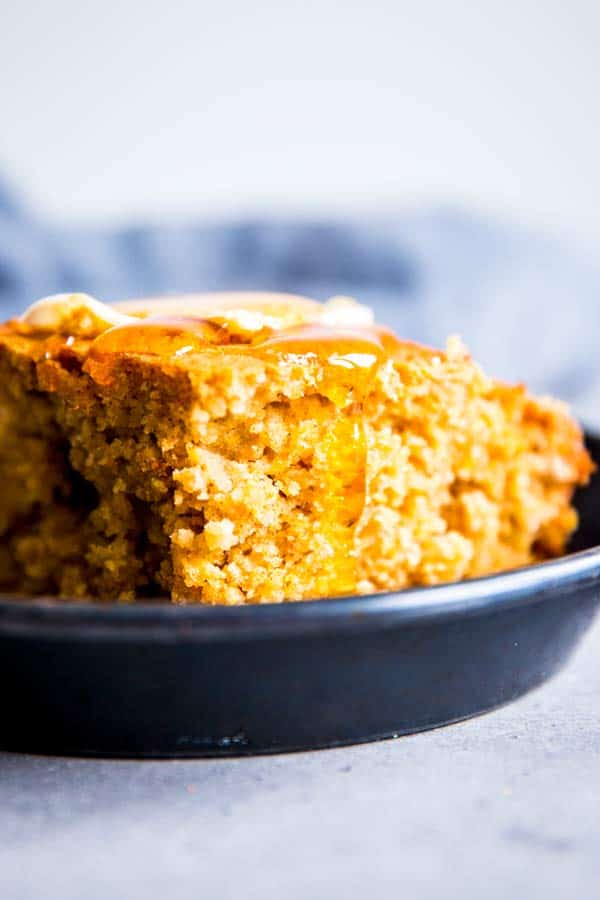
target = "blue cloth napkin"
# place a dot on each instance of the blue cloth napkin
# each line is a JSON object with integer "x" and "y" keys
{"x": 527, "y": 306}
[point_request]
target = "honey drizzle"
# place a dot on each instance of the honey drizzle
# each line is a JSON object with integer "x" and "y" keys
{"x": 169, "y": 336}
{"x": 348, "y": 360}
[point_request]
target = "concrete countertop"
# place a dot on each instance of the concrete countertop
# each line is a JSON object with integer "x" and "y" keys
{"x": 506, "y": 805}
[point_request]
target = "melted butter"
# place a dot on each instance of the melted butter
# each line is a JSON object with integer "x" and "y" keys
{"x": 79, "y": 314}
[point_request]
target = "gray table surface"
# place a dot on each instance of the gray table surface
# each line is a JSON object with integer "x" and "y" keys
{"x": 506, "y": 805}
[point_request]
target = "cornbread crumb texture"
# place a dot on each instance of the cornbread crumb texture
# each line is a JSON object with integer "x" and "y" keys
{"x": 255, "y": 448}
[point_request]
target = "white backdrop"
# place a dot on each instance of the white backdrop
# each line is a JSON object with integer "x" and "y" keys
{"x": 129, "y": 109}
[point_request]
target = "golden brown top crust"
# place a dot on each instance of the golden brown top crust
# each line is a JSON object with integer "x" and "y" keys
{"x": 339, "y": 334}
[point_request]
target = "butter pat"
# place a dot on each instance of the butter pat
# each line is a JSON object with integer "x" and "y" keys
{"x": 345, "y": 312}
{"x": 75, "y": 314}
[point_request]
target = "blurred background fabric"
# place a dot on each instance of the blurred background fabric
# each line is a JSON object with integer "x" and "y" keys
{"x": 132, "y": 109}
{"x": 527, "y": 307}
{"x": 439, "y": 161}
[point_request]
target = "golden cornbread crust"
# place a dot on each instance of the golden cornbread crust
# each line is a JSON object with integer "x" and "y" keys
{"x": 246, "y": 471}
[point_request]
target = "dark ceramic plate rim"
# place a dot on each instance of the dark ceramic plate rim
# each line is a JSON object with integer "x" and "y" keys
{"x": 491, "y": 593}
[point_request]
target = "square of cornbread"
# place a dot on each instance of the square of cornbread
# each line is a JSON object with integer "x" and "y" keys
{"x": 249, "y": 448}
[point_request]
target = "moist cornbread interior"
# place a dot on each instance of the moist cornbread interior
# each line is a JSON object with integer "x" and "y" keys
{"x": 231, "y": 474}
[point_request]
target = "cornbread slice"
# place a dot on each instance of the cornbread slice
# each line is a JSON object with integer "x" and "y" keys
{"x": 247, "y": 448}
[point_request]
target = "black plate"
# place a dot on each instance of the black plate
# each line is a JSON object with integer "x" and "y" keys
{"x": 161, "y": 680}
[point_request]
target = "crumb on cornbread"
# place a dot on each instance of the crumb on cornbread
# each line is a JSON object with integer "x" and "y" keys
{"x": 247, "y": 448}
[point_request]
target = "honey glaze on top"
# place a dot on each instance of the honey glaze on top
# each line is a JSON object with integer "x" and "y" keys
{"x": 172, "y": 337}
{"x": 163, "y": 336}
